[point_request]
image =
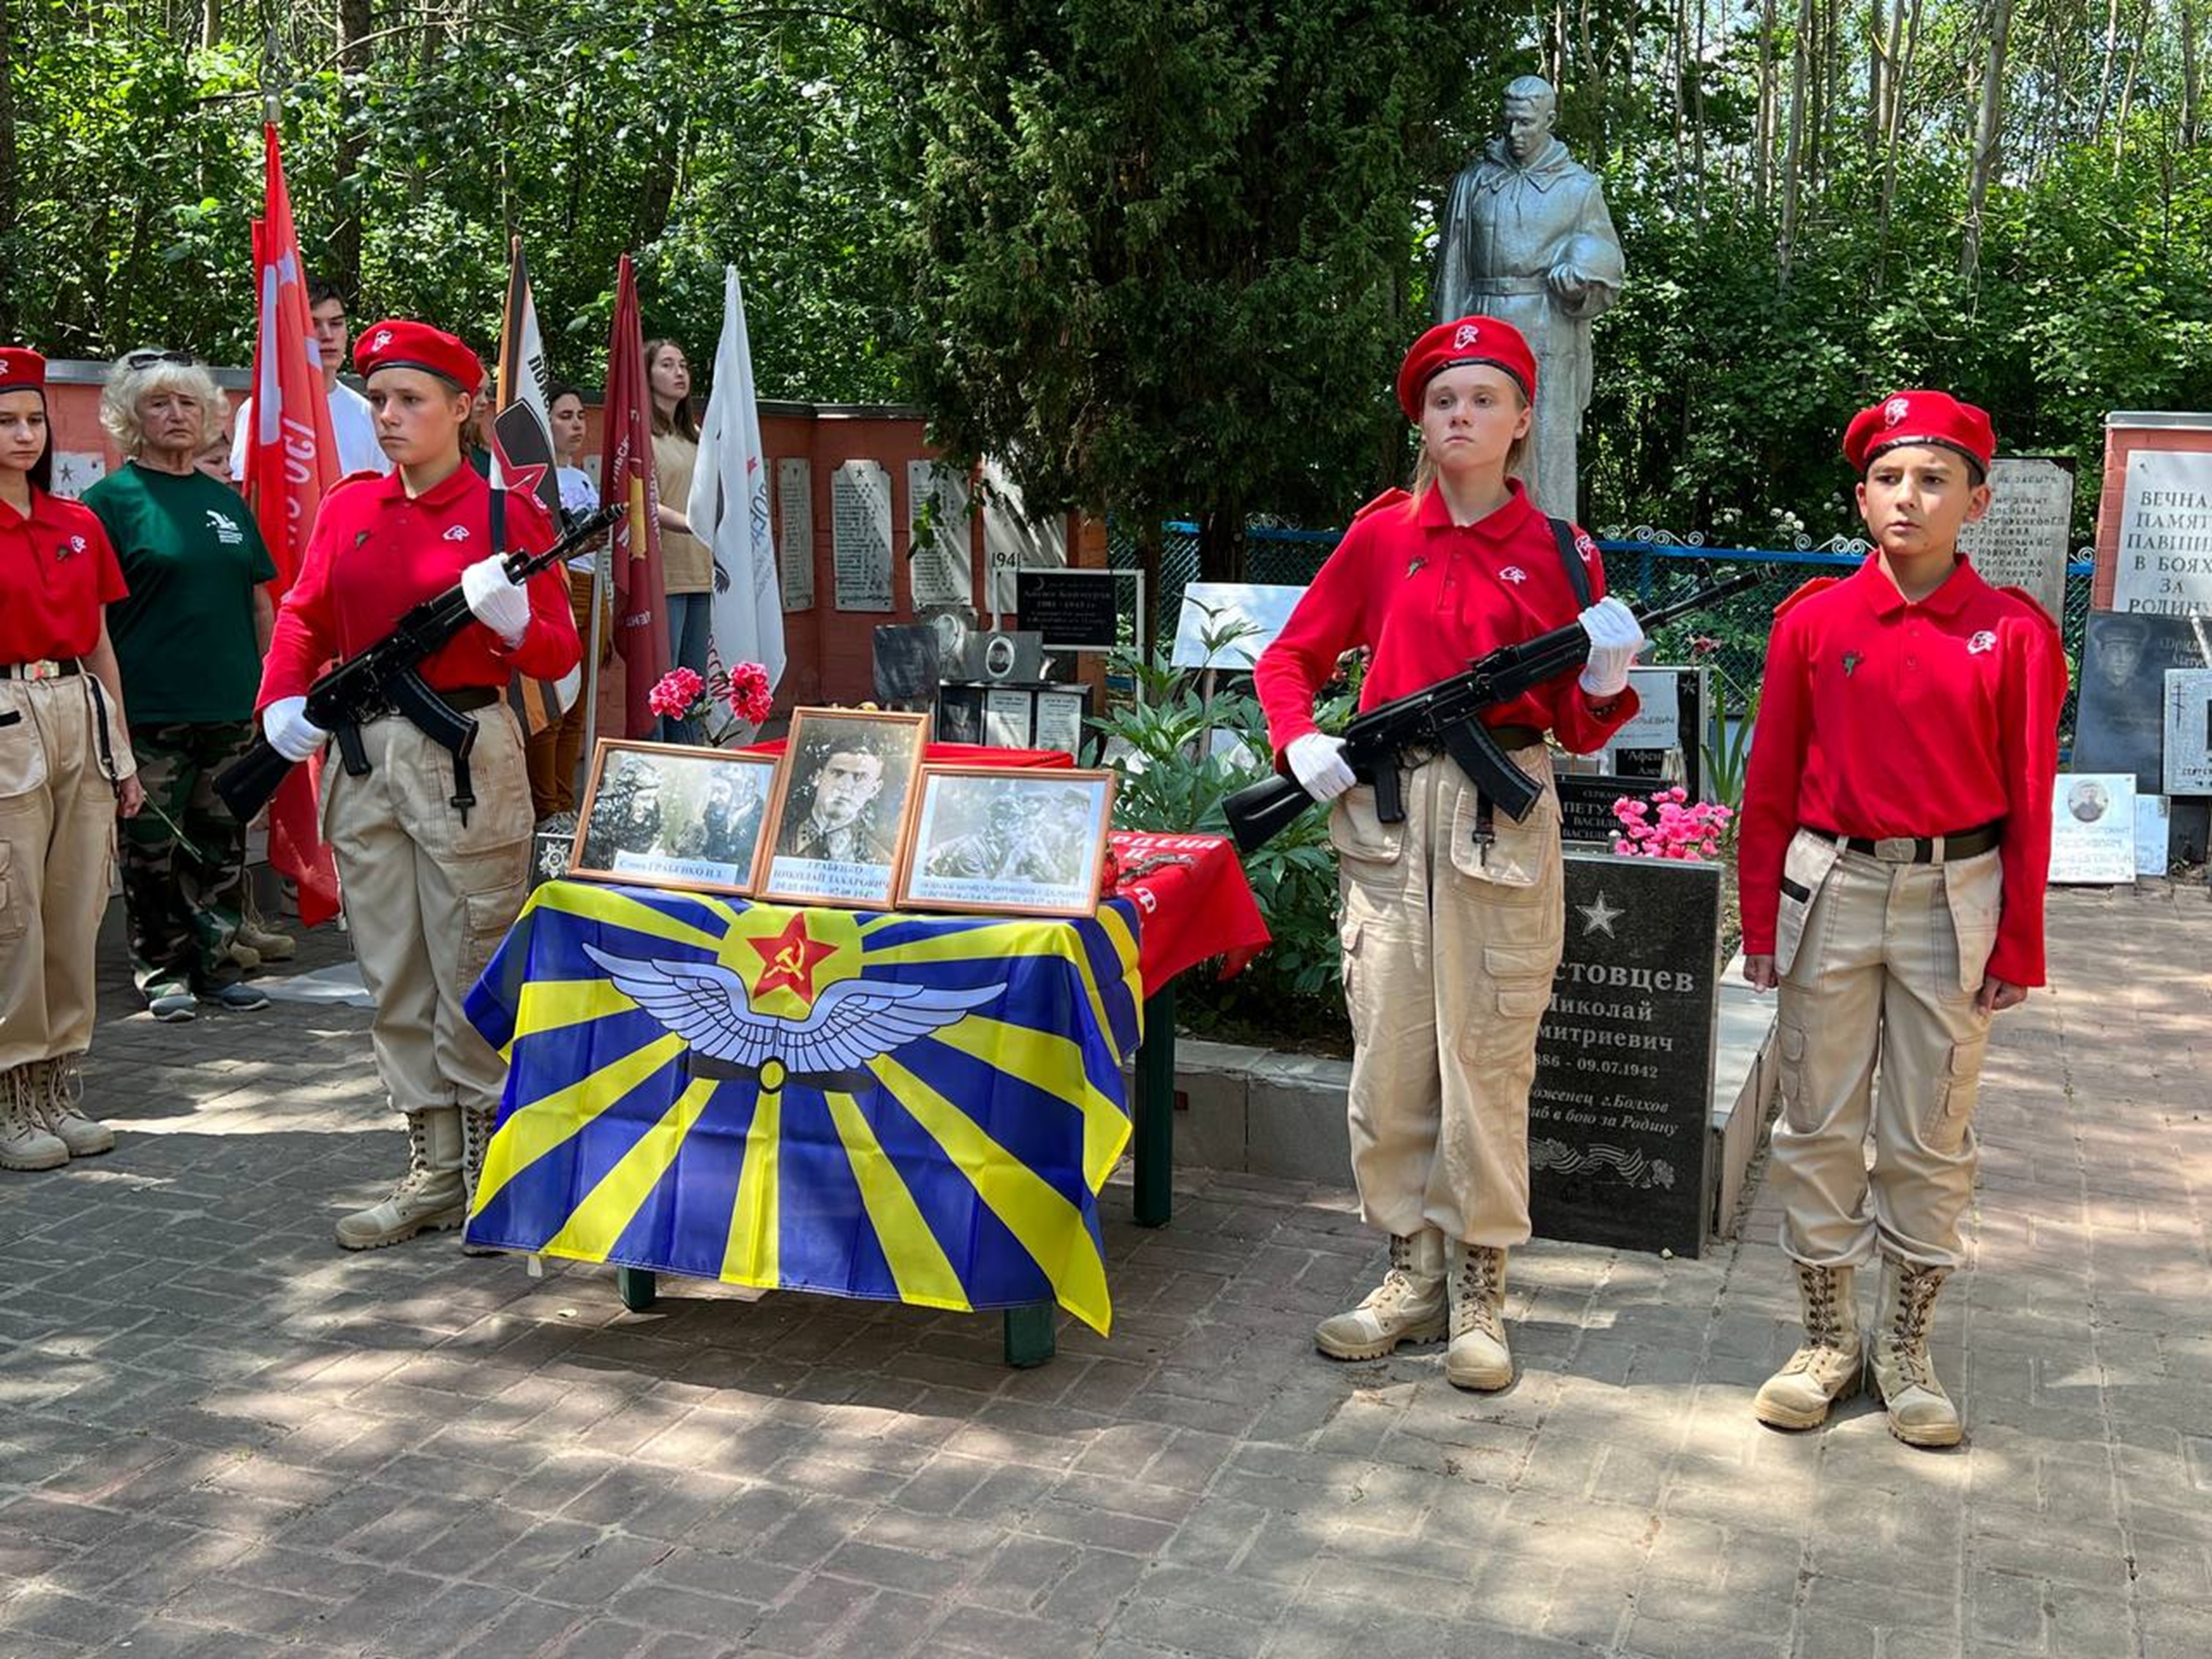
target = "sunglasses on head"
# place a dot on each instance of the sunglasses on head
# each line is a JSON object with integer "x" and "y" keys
{"x": 148, "y": 359}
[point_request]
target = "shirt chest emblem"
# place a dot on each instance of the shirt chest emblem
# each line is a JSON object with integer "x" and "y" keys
{"x": 459, "y": 533}
{"x": 1851, "y": 661}
{"x": 74, "y": 545}
{"x": 226, "y": 531}
{"x": 1984, "y": 640}
{"x": 1513, "y": 573}
{"x": 1413, "y": 567}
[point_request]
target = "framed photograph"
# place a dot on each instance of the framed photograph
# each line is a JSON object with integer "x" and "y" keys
{"x": 665, "y": 815}
{"x": 994, "y": 838}
{"x": 844, "y": 797}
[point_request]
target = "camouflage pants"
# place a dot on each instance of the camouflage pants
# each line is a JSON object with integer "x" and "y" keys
{"x": 183, "y": 858}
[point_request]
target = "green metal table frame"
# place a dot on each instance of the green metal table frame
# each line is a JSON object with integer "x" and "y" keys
{"x": 1031, "y": 1332}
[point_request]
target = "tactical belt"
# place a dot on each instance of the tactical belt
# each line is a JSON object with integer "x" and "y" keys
{"x": 45, "y": 669}
{"x": 1920, "y": 849}
{"x": 1511, "y": 738}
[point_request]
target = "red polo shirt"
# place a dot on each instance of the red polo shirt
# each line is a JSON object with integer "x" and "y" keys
{"x": 1429, "y": 597}
{"x": 375, "y": 552}
{"x": 1882, "y": 718}
{"x": 57, "y": 574}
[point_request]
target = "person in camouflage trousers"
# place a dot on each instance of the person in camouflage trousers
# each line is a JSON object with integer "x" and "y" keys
{"x": 184, "y": 858}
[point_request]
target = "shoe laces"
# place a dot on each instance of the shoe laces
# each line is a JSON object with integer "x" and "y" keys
{"x": 1915, "y": 1305}
{"x": 64, "y": 1089}
{"x": 1824, "y": 1320}
{"x": 1477, "y": 1285}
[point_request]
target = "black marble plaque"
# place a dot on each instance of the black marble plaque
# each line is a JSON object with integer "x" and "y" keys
{"x": 1619, "y": 1133}
{"x": 1586, "y": 799}
{"x": 2120, "y": 723}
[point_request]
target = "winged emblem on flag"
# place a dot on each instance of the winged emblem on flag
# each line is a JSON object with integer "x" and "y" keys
{"x": 851, "y": 1023}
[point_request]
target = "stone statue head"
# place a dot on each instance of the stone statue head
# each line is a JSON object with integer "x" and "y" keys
{"x": 1531, "y": 106}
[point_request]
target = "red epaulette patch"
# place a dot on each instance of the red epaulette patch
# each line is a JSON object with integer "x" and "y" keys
{"x": 1388, "y": 498}
{"x": 1815, "y": 586}
{"x": 367, "y": 475}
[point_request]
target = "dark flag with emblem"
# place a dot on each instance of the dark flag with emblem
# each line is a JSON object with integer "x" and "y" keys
{"x": 522, "y": 459}
{"x": 626, "y": 479}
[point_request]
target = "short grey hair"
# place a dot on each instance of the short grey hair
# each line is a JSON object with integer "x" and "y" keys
{"x": 126, "y": 386}
{"x": 1532, "y": 90}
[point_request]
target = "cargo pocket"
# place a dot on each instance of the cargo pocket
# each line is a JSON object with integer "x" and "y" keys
{"x": 1805, "y": 868}
{"x": 1353, "y": 972}
{"x": 1790, "y": 1077}
{"x": 1521, "y": 981}
{"x": 15, "y": 902}
{"x": 1973, "y": 894}
{"x": 1357, "y": 833}
{"x": 22, "y": 755}
{"x": 1511, "y": 859}
{"x": 1956, "y": 1091}
{"x": 486, "y": 918}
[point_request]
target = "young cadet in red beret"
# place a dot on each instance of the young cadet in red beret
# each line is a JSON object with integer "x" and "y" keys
{"x": 65, "y": 772}
{"x": 431, "y": 886}
{"x": 1895, "y": 838}
{"x": 1453, "y": 920}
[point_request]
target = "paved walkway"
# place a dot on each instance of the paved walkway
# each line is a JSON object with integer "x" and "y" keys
{"x": 219, "y": 1437}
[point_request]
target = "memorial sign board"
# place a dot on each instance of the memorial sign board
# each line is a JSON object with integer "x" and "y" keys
{"x": 794, "y": 535}
{"x": 1620, "y": 1115}
{"x": 1071, "y": 610}
{"x": 2023, "y": 540}
{"x": 861, "y": 535}
{"x": 1013, "y": 540}
{"x": 2120, "y": 725}
{"x": 2093, "y": 828}
{"x": 2153, "y": 836}
{"x": 2189, "y": 730}
{"x": 941, "y": 567}
{"x": 2163, "y": 559}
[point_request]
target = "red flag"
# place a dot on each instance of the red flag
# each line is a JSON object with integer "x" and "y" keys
{"x": 291, "y": 459}
{"x": 626, "y": 479}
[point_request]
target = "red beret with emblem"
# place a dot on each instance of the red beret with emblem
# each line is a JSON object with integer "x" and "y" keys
{"x": 397, "y": 344}
{"x": 1469, "y": 340}
{"x": 1920, "y": 418}
{"x": 22, "y": 370}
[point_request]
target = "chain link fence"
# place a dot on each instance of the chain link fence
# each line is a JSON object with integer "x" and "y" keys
{"x": 1643, "y": 573}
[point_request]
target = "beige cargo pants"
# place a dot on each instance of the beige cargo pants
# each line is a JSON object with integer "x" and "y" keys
{"x": 1449, "y": 945}
{"x": 428, "y": 898}
{"x": 1879, "y": 962}
{"x": 56, "y": 843}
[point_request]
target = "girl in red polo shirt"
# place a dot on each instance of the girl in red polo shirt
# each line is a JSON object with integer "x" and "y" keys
{"x": 1453, "y": 920}
{"x": 432, "y": 882}
{"x": 1895, "y": 839}
{"x": 65, "y": 772}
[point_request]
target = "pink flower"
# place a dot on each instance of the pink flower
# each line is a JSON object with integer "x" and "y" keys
{"x": 671, "y": 697}
{"x": 750, "y": 696}
{"x": 1704, "y": 645}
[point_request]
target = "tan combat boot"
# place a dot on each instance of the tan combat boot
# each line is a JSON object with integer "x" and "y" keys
{"x": 25, "y": 1141}
{"x": 1826, "y": 1368}
{"x": 1477, "y": 1358}
{"x": 1920, "y": 1412}
{"x": 429, "y": 1197}
{"x": 477, "y": 1123}
{"x": 58, "y": 1089}
{"x": 1408, "y": 1306}
{"x": 264, "y": 943}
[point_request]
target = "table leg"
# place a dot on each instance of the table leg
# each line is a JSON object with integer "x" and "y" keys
{"x": 1155, "y": 1100}
{"x": 639, "y": 1288}
{"x": 1032, "y": 1337}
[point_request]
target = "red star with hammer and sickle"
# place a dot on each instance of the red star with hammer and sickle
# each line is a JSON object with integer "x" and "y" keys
{"x": 789, "y": 960}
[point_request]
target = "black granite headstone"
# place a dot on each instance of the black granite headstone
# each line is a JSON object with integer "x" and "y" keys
{"x": 2120, "y": 725}
{"x": 1619, "y": 1119}
{"x": 906, "y": 663}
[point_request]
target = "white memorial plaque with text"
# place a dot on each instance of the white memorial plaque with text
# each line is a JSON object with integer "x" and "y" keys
{"x": 2021, "y": 542}
{"x": 76, "y": 471}
{"x": 940, "y": 568}
{"x": 794, "y": 533}
{"x": 1012, "y": 541}
{"x": 1007, "y": 719}
{"x": 2189, "y": 730}
{"x": 2153, "y": 836}
{"x": 2093, "y": 828}
{"x": 2163, "y": 561}
{"x": 1059, "y": 722}
{"x": 861, "y": 535}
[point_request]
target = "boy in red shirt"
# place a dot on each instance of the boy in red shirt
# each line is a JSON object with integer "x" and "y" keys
{"x": 1896, "y": 835}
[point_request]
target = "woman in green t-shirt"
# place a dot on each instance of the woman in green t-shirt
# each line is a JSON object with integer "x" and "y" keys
{"x": 190, "y": 639}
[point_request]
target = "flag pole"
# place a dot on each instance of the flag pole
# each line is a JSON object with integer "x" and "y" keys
{"x": 602, "y": 583}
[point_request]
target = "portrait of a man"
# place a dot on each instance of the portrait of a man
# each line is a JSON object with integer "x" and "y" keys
{"x": 842, "y": 808}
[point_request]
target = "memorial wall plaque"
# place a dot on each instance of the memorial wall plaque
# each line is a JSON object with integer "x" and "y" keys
{"x": 1014, "y": 541}
{"x": 2163, "y": 557}
{"x": 1619, "y": 1133}
{"x": 1059, "y": 720}
{"x": 2153, "y": 836}
{"x": 2189, "y": 730}
{"x": 794, "y": 540}
{"x": 2119, "y": 724}
{"x": 1070, "y": 609}
{"x": 2093, "y": 829}
{"x": 941, "y": 567}
{"x": 75, "y": 471}
{"x": 861, "y": 535}
{"x": 2022, "y": 541}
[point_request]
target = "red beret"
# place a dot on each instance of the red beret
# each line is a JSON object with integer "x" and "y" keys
{"x": 22, "y": 370}
{"x": 400, "y": 344}
{"x": 1920, "y": 418}
{"x": 1469, "y": 340}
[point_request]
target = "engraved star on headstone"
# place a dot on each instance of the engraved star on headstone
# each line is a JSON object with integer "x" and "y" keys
{"x": 1599, "y": 918}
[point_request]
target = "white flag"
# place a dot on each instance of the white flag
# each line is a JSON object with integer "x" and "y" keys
{"x": 728, "y": 508}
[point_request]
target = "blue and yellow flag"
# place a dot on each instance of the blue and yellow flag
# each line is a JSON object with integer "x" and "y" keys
{"x": 916, "y": 1108}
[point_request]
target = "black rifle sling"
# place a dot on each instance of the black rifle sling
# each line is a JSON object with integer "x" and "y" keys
{"x": 1578, "y": 577}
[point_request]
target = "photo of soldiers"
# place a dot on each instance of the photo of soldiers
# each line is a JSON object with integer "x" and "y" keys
{"x": 1026, "y": 842}
{"x": 664, "y": 815}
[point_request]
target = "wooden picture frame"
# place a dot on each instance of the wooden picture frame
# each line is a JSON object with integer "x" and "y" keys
{"x": 808, "y": 858}
{"x": 1012, "y": 840}
{"x": 671, "y": 815}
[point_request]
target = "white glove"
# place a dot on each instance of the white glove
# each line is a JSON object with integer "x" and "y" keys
{"x": 290, "y": 732}
{"x": 1318, "y": 763}
{"x": 497, "y": 603}
{"x": 1615, "y": 638}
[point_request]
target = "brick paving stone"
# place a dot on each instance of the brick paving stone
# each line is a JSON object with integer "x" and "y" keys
{"x": 229, "y": 1439}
